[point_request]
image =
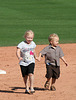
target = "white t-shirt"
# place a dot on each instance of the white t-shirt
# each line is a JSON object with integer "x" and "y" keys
{"x": 27, "y": 53}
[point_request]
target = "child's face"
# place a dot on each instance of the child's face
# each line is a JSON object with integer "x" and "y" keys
{"x": 29, "y": 38}
{"x": 55, "y": 41}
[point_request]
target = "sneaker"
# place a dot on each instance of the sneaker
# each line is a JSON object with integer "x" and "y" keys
{"x": 52, "y": 88}
{"x": 47, "y": 85}
{"x": 27, "y": 92}
{"x": 32, "y": 91}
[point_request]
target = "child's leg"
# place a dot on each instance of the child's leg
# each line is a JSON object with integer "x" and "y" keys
{"x": 47, "y": 83}
{"x": 53, "y": 84}
{"x": 31, "y": 79}
{"x": 48, "y": 79}
{"x": 26, "y": 82}
{"x": 53, "y": 81}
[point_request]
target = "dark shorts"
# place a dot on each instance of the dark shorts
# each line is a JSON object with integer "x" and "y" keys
{"x": 25, "y": 70}
{"x": 52, "y": 71}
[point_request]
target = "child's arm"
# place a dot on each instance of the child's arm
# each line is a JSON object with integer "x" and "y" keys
{"x": 35, "y": 54}
{"x": 18, "y": 54}
{"x": 37, "y": 58}
{"x": 63, "y": 59}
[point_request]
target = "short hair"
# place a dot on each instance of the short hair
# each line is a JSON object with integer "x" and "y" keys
{"x": 51, "y": 36}
{"x": 28, "y": 33}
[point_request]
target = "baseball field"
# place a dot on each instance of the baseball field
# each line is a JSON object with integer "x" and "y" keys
{"x": 43, "y": 17}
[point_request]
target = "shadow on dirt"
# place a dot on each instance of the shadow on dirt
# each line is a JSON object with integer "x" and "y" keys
{"x": 16, "y": 88}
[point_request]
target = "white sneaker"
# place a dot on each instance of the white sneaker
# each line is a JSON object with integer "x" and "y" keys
{"x": 32, "y": 91}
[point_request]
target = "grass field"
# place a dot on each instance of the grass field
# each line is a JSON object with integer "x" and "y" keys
{"x": 42, "y": 16}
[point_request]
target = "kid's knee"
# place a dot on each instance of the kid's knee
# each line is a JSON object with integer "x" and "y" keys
{"x": 30, "y": 74}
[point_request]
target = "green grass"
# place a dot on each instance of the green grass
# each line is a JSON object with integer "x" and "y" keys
{"x": 42, "y": 16}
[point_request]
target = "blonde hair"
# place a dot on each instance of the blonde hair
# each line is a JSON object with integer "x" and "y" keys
{"x": 28, "y": 33}
{"x": 51, "y": 36}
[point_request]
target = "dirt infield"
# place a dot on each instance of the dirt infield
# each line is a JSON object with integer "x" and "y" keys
{"x": 12, "y": 85}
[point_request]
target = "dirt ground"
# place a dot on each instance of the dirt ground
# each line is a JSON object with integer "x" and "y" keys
{"x": 12, "y": 85}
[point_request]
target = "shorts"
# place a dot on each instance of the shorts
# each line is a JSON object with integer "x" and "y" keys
{"x": 25, "y": 70}
{"x": 52, "y": 71}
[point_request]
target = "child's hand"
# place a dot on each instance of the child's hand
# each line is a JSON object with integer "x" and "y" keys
{"x": 37, "y": 58}
{"x": 63, "y": 59}
{"x": 20, "y": 58}
{"x": 66, "y": 63}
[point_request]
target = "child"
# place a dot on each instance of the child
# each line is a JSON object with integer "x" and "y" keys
{"x": 26, "y": 55}
{"x": 52, "y": 54}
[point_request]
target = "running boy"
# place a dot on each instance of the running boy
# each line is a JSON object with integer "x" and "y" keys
{"x": 26, "y": 54}
{"x": 52, "y": 54}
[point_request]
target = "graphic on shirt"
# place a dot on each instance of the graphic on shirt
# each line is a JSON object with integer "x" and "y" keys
{"x": 27, "y": 53}
{"x": 28, "y": 56}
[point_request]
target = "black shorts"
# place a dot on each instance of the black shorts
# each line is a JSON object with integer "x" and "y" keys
{"x": 52, "y": 71}
{"x": 25, "y": 70}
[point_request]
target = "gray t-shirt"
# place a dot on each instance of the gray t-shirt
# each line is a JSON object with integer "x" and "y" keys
{"x": 27, "y": 53}
{"x": 52, "y": 55}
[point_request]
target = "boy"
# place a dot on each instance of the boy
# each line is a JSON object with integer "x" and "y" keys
{"x": 52, "y": 54}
